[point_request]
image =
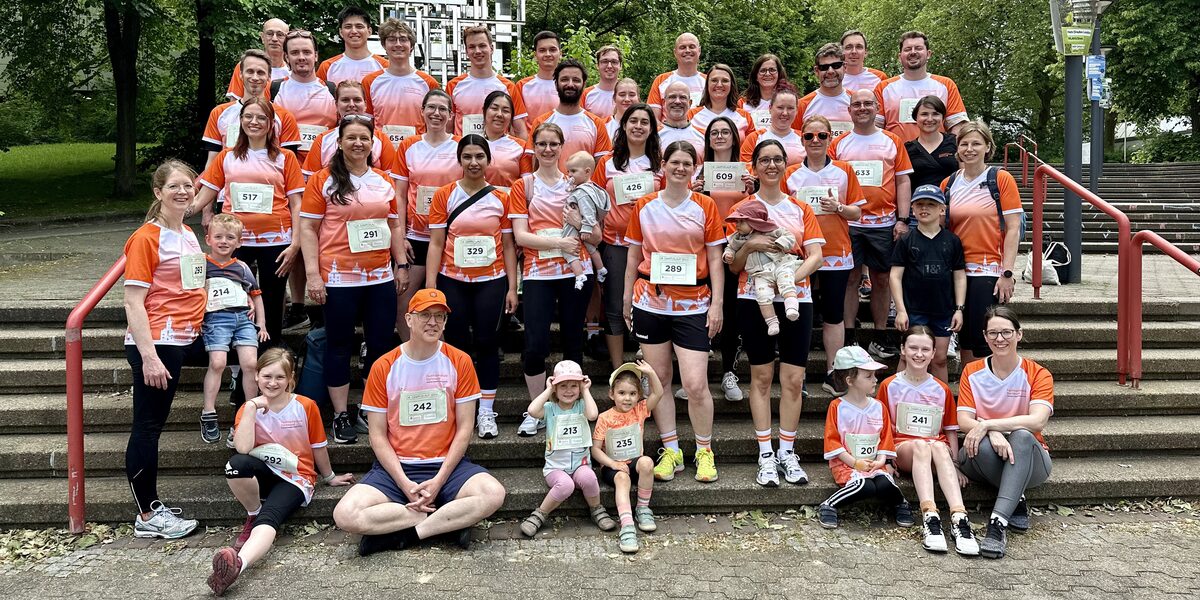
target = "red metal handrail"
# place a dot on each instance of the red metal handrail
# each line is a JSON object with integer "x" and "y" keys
{"x": 1135, "y": 294}
{"x": 76, "y": 508}
{"x": 1123, "y": 291}
{"x": 1025, "y": 154}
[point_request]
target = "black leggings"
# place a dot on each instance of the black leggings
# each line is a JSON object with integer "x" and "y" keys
{"x": 613, "y": 289}
{"x": 280, "y": 498}
{"x": 274, "y": 288}
{"x": 151, "y": 406}
{"x": 862, "y": 488}
{"x": 979, "y": 299}
{"x": 730, "y": 338}
{"x": 540, "y": 298}
{"x": 474, "y": 322}
{"x": 375, "y": 306}
{"x": 831, "y": 298}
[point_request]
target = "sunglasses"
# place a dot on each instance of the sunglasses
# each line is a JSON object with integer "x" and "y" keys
{"x": 367, "y": 119}
{"x": 298, "y": 33}
{"x": 820, "y": 135}
{"x": 832, "y": 65}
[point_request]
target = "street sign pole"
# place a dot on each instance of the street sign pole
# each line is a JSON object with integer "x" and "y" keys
{"x": 1097, "y": 151}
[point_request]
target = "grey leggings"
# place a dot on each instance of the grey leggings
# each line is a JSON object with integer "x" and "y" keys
{"x": 1031, "y": 469}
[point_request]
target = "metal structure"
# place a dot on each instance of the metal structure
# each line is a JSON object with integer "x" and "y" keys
{"x": 439, "y": 25}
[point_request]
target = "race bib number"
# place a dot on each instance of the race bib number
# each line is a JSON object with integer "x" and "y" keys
{"x": 869, "y": 172}
{"x": 231, "y": 134}
{"x": 277, "y": 457}
{"x": 724, "y": 176}
{"x": 839, "y": 127}
{"x": 252, "y": 197}
{"x": 863, "y": 445}
{"x": 813, "y": 195}
{"x": 623, "y": 443}
{"x": 397, "y": 133}
{"x": 472, "y": 124}
{"x": 474, "y": 251}
{"x": 668, "y": 268}
{"x": 571, "y": 432}
{"x": 225, "y": 293}
{"x": 761, "y": 119}
{"x": 191, "y": 271}
{"x": 423, "y": 407}
{"x": 367, "y": 235}
{"x": 906, "y": 109}
{"x": 308, "y": 135}
{"x": 425, "y": 198}
{"x": 922, "y": 420}
{"x": 628, "y": 188}
{"x": 550, "y": 233}
{"x": 696, "y": 98}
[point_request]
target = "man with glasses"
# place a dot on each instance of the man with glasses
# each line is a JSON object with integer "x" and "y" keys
{"x": 470, "y": 89}
{"x": 882, "y": 166}
{"x": 899, "y": 95}
{"x": 830, "y": 99}
{"x": 858, "y": 76}
{"x": 598, "y": 99}
{"x": 273, "y": 32}
{"x": 356, "y": 60}
{"x": 687, "y": 71}
{"x": 394, "y": 95}
{"x": 302, "y": 93}
{"x": 582, "y": 131}
{"x": 421, "y": 485}
{"x": 675, "y": 124}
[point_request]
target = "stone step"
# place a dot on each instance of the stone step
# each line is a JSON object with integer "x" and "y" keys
{"x": 1074, "y": 481}
{"x": 111, "y": 412}
{"x": 183, "y": 453}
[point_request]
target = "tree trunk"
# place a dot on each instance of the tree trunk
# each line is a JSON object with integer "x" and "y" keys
{"x": 123, "y": 31}
{"x": 206, "y": 83}
{"x": 1194, "y": 106}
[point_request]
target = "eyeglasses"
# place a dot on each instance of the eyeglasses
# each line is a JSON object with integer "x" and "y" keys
{"x": 276, "y": 34}
{"x": 768, "y": 71}
{"x": 1005, "y": 334}
{"x": 771, "y": 160}
{"x": 820, "y": 135}
{"x": 437, "y": 108}
{"x": 833, "y": 65}
{"x": 862, "y": 104}
{"x": 609, "y": 62}
{"x": 396, "y": 39}
{"x": 721, "y": 133}
{"x": 547, "y": 145}
{"x": 425, "y": 317}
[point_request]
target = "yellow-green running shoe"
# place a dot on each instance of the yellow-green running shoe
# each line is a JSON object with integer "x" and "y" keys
{"x": 670, "y": 462}
{"x": 706, "y": 466}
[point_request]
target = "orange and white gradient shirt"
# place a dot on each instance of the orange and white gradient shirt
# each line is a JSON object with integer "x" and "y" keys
{"x": 154, "y": 259}
{"x": 340, "y": 68}
{"x": 296, "y": 427}
{"x": 311, "y": 104}
{"x": 793, "y": 145}
{"x": 849, "y": 428}
{"x": 608, "y": 176}
{"x": 834, "y": 108}
{"x": 668, "y": 134}
{"x": 582, "y": 132}
{"x": 877, "y": 159}
{"x": 396, "y": 99}
{"x": 928, "y": 396}
{"x": 542, "y": 209}
{"x": 237, "y": 88}
{"x": 431, "y": 389}
{"x": 687, "y": 229}
{"x": 227, "y": 172}
{"x": 505, "y": 166}
{"x": 867, "y": 80}
{"x": 426, "y": 168}
{"x": 383, "y": 155}
{"x": 807, "y": 186}
{"x": 701, "y": 116}
{"x": 374, "y": 198}
{"x": 974, "y": 219}
{"x": 599, "y": 101}
{"x": 796, "y": 217}
{"x": 986, "y": 396}
{"x": 227, "y": 116}
{"x": 468, "y": 94}
{"x": 897, "y": 97}
{"x": 610, "y": 125}
{"x": 725, "y": 199}
{"x": 658, "y": 88}
{"x": 481, "y": 225}
{"x": 538, "y": 95}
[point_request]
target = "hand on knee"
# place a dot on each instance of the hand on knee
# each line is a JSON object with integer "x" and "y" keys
{"x": 1021, "y": 437}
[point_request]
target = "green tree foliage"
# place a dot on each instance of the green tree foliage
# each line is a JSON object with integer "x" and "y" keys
{"x": 1155, "y": 65}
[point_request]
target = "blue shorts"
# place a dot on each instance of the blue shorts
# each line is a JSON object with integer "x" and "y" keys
{"x": 939, "y": 325}
{"x": 224, "y": 327}
{"x": 380, "y": 479}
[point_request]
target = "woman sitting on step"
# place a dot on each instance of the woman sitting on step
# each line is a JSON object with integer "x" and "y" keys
{"x": 1004, "y": 403}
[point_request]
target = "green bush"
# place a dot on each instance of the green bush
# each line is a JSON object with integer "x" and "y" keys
{"x": 1169, "y": 147}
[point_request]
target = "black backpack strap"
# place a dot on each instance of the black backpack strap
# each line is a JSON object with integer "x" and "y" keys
{"x": 275, "y": 85}
{"x": 994, "y": 188}
{"x": 946, "y": 193}
{"x": 476, "y": 197}
{"x": 332, "y": 89}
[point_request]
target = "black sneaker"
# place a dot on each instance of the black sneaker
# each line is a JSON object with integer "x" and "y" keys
{"x": 904, "y": 514}
{"x": 828, "y": 385}
{"x": 827, "y": 515}
{"x": 883, "y": 350}
{"x": 237, "y": 394}
{"x": 296, "y": 318}
{"x": 360, "y": 422}
{"x": 370, "y": 544}
{"x": 343, "y": 429}
{"x": 994, "y": 543}
{"x": 210, "y": 430}
{"x": 1019, "y": 521}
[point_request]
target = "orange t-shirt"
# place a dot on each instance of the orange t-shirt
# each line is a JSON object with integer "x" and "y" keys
{"x": 340, "y": 68}
{"x": 793, "y": 145}
{"x": 426, "y": 168}
{"x": 227, "y": 174}
{"x": 542, "y": 208}
{"x": 867, "y": 80}
{"x": 538, "y": 95}
{"x": 877, "y": 160}
{"x": 297, "y": 427}
{"x": 582, "y": 132}
{"x": 986, "y": 396}
{"x": 383, "y": 155}
{"x": 658, "y": 88}
{"x": 614, "y": 419}
{"x": 897, "y": 96}
{"x": 226, "y": 117}
{"x": 929, "y": 395}
{"x": 505, "y": 166}
{"x": 468, "y": 94}
{"x": 373, "y": 198}
{"x": 608, "y": 177}
{"x": 849, "y": 428}
{"x": 809, "y": 187}
{"x": 484, "y": 223}
{"x": 396, "y": 99}
{"x": 796, "y": 217}
{"x": 974, "y": 219}
{"x": 153, "y": 260}
{"x": 701, "y": 116}
{"x": 834, "y": 108}
{"x": 688, "y": 229}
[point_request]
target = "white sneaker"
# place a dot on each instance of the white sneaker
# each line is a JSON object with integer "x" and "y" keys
{"x": 964, "y": 539}
{"x": 952, "y": 349}
{"x": 163, "y": 523}
{"x": 729, "y": 383}
{"x": 485, "y": 424}
{"x": 681, "y": 394}
{"x": 768, "y": 471}
{"x": 789, "y": 465}
{"x": 934, "y": 538}
{"x": 530, "y": 426}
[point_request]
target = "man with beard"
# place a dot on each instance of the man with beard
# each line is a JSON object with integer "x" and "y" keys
{"x": 899, "y": 95}
{"x": 582, "y": 131}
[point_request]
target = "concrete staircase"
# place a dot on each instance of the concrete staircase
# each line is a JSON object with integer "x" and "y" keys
{"x": 1109, "y": 442}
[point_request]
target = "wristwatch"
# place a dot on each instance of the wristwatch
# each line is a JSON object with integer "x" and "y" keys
{"x": 960, "y": 307}
{"x": 1007, "y": 274}
{"x": 402, "y": 266}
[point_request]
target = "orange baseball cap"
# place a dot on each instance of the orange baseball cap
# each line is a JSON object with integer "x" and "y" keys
{"x": 427, "y": 298}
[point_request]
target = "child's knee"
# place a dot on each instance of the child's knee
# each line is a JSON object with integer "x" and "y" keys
{"x": 562, "y": 489}
{"x": 216, "y": 361}
{"x": 645, "y": 465}
{"x": 922, "y": 452}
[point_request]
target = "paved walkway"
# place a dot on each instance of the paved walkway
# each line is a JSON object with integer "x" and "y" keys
{"x": 1104, "y": 555}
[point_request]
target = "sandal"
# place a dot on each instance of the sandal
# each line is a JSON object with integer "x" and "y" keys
{"x": 628, "y": 538}
{"x": 533, "y": 523}
{"x": 602, "y": 520}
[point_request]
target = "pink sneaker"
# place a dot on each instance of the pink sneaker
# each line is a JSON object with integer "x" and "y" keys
{"x": 227, "y": 565}
{"x": 245, "y": 534}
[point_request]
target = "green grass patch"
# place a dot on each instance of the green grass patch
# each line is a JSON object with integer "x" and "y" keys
{"x": 53, "y": 180}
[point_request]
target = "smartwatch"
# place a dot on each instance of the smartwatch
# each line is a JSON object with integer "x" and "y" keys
{"x": 402, "y": 266}
{"x": 1007, "y": 274}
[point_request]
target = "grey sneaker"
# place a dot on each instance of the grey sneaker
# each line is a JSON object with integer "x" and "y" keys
{"x": 360, "y": 422}
{"x": 485, "y": 424}
{"x": 995, "y": 542}
{"x": 768, "y": 471}
{"x": 1019, "y": 521}
{"x": 790, "y": 467}
{"x": 530, "y": 426}
{"x": 163, "y": 523}
{"x": 681, "y": 394}
{"x": 729, "y": 384}
{"x": 645, "y": 519}
{"x": 229, "y": 440}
